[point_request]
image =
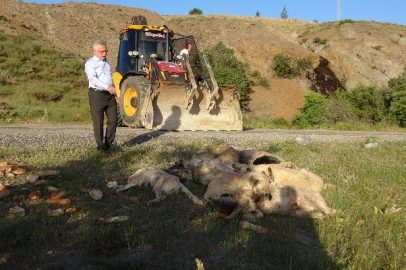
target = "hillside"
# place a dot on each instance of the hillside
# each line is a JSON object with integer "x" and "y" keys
{"x": 344, "y": 54}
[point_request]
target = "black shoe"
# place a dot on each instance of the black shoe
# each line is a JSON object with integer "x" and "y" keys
{"x": 104, "y": 148}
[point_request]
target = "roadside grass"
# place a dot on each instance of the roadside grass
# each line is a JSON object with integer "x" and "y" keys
{"x": 39, "y": 84}
{"x": 252, "y": 121}
{"x": 364, "y": 183}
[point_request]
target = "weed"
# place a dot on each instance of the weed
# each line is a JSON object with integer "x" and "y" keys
{"x": 318, "y": 40}
{"x": 345, "y": 21}
{"x": 304, "y": 63}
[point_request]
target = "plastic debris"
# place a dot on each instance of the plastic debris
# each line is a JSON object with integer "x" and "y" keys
{"x": 247, "y": 225}
{"x": 302, "y": 140}
{"x": 371, "y": 145}
{"x": 112, "y": 184}
{"x": 113, "y": 219}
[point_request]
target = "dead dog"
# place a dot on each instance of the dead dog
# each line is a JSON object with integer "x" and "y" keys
{"x": 161, "y": 182}
{"x": 235, "y": 192}
{"x": 296, "y": 201}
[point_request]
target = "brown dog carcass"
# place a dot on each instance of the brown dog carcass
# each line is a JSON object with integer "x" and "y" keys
{"x": 162, "y": 184}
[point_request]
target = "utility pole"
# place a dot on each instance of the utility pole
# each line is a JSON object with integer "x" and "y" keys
{"x": 338, "y": 10}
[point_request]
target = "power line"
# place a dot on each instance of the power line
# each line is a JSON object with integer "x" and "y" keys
{"x": 338, "y": 10}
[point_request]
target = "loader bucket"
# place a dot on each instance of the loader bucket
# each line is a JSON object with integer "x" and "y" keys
{"x": 171, "y": 112}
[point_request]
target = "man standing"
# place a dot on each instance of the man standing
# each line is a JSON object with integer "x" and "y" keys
{"x": 102, "y": 95}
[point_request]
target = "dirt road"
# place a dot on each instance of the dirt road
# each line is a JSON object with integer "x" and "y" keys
{"x": 82, "y": 136}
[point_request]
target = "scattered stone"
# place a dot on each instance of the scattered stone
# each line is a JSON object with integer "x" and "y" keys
{"x": 55, "y": 212}
{"x": 18, "y": 211}
{"x": 96, "y": 194}
{"x": 4, "y": 194}
{"x": 35, "y": 195}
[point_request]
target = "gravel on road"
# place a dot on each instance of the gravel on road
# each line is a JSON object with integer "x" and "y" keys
{"x": 22, "y": 136}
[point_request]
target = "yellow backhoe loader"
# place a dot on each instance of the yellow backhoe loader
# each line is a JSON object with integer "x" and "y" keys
{"x": 158, "y": 88}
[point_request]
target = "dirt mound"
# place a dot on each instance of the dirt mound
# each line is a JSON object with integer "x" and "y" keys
{"x": 344, "y": 54}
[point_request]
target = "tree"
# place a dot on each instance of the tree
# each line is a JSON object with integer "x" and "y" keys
{"x": 196, "y": 11}
{"x": 257, "y": 14}
{"x": 284, "y": 13}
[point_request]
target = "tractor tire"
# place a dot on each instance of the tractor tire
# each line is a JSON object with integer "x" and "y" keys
{"x": 132, "y": 96}
{"x": 119, "y": 119}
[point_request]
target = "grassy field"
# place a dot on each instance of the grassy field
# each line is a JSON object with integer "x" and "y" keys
{"x": 39, "y": 84}
{"x": 367, "y": 184}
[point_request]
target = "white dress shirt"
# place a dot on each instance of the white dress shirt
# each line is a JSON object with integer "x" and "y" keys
{"x": 98, "y": 73}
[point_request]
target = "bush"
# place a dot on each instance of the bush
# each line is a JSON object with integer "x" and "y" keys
{"x": 398, "y": 99}
{"x": 369, "y": 103}
{"x": 398, "y": 108}
{"x": 346, "y": 21}
{"x": 282, "y": 66}
{"x": 196, "y": 11}
{"x": 338, "y": 109}
{"x": 312, "y": 112}
{"x": 318, "y": 40}
{"x": 304, "y": 63}
{"x": 229, "y": 70}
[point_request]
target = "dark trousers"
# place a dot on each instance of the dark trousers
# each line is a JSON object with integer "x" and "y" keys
{"x": 102, "y": 102}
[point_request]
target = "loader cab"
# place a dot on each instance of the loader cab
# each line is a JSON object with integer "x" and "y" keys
{"x": 138, "y": 43}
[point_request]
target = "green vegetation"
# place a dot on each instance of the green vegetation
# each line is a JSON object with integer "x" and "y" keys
{"x": 284, "y": 13}
{"x": 196, "y": 11}
{"x": 377, "y": 47}
{"x": 365, "y": 104}
{"x": 304, "y": 63}
{"x": 364, "y": 183}
{"x": 283, "y": 67}
{"x": 345, "y": 21}
{"x": 229, "y": 70}
{"x": 262, "y": 81}
{"x": 318, "y": 40}
{"x": 40, "y": 84}
{"x": 361, "y": 108}
{"x": 398, "y": 99}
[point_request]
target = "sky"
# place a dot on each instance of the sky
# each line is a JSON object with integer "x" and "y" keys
{"x": 388, "y": 11}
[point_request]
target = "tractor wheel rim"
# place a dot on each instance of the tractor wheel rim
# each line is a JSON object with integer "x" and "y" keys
{"x": 130, "y": 104}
